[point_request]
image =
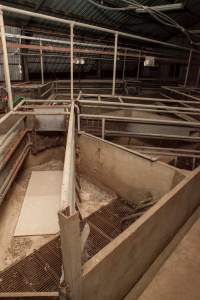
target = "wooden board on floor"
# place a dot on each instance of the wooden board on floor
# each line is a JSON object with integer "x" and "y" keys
{"x": 39, "y": 212}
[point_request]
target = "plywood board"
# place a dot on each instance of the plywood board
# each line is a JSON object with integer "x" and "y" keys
{"x": 38, "y": 215}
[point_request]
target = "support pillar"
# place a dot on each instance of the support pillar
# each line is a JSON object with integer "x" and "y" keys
{"x": 99, "y": 68}
{"x": 188, "y": 68}
{"x": 115, "y": 64}
{"x": 139, "y": 62}
{"x": 72, "y": 60}
{"x": 124, "y": 65}
{"x": 198, "y": 78}
{"x": 24, "y": 65}
{"x": 41, "y": 64}
{"x": 5, "y": 62}
{"x": 24, "y": 60}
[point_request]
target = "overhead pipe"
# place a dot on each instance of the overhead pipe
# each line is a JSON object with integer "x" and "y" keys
{"x": 88, "y": 51}
{"x": 88, "y": 26}
{"x": 41, "y": 64}
{"x": 92, "y": 45}
{"x": 5, "y": 61}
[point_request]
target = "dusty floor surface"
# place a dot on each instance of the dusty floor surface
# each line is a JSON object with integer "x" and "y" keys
{"x": 12, "y": 249}
{"x": 93, "y": 196}
{"x": 179, "y": 277}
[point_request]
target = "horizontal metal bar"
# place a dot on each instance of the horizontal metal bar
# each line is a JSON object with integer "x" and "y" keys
{"x": 139, "y": 98}
{"x": 89, "y": 51}
{"x": 154, "y": 110}
{"x": 6, "y": 158}
{"x": 142, "y": 120}
{"x": 5, "y": 117}
{"x": 45, "y": 101}
{"x": 164, "y": 151}
{"x": 173, "y": 90}
{"x": 64, "y": 42}
{"x": 130, "y": 105}
{"x": 40, "y": 113}
{"x": 92, "y": 45}
{"x": 11, "y": 176}
{"x": 88, "y": 26}
{"x": 28, "y": 294}
{"x": 153, "y": 136}
{"x": 10, "y": 130}
{"x": 179, "y": 150}
{"x": 19, "y": 105}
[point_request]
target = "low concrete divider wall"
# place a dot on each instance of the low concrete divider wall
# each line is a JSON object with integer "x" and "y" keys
{"x": 113, "y": 271}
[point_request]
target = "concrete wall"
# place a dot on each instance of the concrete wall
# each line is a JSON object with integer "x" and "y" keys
{"x": 49, "y": 122}
{"x": 113, "y": 271}
{"x": 130, "y": 174}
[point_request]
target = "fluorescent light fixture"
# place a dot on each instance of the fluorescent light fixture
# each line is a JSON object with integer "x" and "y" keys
{"x": 79, "y": 61}
{"x": 149, "y": 61}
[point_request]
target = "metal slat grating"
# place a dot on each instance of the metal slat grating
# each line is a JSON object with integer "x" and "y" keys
{"x": 109, "y": 218}
{"x": 41, "y": 270}
{"x": 33, "y": 273}
{"x": 96, "y": 241}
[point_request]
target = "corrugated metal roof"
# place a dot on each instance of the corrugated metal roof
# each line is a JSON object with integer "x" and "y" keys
{"x": 82, "y": 10}
{"x": 14, "y": 60}
{"x": 128, "y": 21}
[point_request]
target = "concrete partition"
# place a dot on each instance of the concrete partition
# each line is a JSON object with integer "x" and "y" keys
{"x": 114, "y": 270}
{"x": 131, "y": 175}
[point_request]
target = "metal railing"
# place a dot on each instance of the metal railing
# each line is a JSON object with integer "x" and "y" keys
{"x": 68, "y": 181}
{"x": 72, "y": 25}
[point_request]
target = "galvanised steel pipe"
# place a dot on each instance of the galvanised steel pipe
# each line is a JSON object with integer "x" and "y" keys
{"x": 142, "y": 120}
{"x": 115, "y": 64}
{"x": 41, "y": 64}
{"x": 137, "y": 105}
{"x": 5, "y": 62}
{"x": 188, "y": 68}
{"x": 83, "y": 25}
{"x": 72, "y": 60}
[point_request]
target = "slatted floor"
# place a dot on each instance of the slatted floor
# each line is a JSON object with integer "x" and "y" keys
{"x": 41, "y": 271}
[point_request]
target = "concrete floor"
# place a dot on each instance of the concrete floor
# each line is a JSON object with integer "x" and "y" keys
{"x": 179, "y": 277}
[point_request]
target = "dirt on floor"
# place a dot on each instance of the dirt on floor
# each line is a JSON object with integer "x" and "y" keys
{"x": 93, "y": 196}
{"x": 15, "y": 248}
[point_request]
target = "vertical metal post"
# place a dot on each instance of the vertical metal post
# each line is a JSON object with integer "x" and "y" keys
{"x": 188, "y": 68}
{"x": 71, "y": 254}
{"x": 103, "y": 129}
{"x": 115, "y": 64}
{"x": 138, "y": 68}
{"x": 72, "y": 60}
{"x": 5, "y": 62}
{"x": 41, "y": 64}
{"x": 124, "y": 65}
{"x": 176, "y": 161}
{"x": 79, "y": 123}
{"x": 198, "y": 78}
